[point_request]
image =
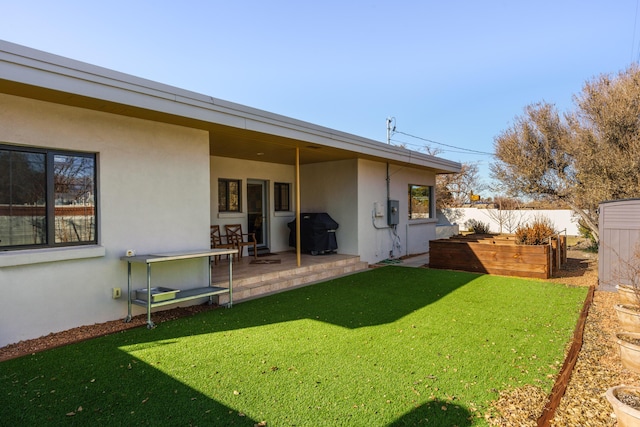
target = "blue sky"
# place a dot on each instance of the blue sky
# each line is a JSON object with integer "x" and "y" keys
{"x": 455, "y": 72}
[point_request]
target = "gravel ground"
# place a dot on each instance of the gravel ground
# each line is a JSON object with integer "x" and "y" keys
{"x": 598, "y": 366}
{"x": 597, "y": 369}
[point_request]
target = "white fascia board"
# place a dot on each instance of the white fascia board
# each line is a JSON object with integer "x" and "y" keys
{"x": 304, "y": 131}
{"x": 41, "y": 69}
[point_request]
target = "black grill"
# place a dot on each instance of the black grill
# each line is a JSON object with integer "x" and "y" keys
{"x": 317, "y": 233}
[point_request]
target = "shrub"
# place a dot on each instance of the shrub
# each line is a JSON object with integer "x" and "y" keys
{"x": 536, "y": 233}
{"x": 587, "y": 234}
{"x": 477, "y": 227}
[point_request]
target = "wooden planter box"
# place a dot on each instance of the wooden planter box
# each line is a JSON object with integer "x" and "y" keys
{"x": 497, "y": 255}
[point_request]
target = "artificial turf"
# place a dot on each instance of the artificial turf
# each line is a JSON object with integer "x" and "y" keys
{"x": 389, "y": 346}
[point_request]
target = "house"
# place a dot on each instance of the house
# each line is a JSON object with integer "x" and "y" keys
{"x": 95, "y": 162}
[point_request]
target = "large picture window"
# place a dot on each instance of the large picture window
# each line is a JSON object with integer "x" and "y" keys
{"x": 47, "y": 198}
{"x": 281, "y": 195}
{"x": 229, "y": 195}
{"x": 420, "y": 201}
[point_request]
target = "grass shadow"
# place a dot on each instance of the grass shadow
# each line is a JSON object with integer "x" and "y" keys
{"x": 373, "y": 297}
{"x": 142, "y": 376}
{"x": 436, "y": 413}
{"x": 122, "y": 389}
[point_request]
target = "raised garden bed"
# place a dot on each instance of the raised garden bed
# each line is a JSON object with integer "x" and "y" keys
{"x": 498, "y": 254}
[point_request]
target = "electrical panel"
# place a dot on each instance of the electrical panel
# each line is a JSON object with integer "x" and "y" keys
{"x": 393, "y": 212}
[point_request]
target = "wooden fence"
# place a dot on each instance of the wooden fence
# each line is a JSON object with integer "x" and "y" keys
{"x": 498, "y": 255}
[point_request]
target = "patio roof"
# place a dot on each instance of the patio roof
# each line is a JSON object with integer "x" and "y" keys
{"x": 234, "y": 130}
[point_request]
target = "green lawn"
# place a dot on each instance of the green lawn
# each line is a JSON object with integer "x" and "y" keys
{"x": 389, "y": 346}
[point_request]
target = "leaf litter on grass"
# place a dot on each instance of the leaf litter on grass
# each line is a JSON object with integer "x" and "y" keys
{"x": 416, "y": 342}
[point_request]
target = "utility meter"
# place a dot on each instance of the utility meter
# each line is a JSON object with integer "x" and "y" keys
{"x": 393, "y": 212}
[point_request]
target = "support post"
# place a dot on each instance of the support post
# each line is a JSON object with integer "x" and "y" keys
{"x": 298, "y": 260}
{"x": 129, "y": 317}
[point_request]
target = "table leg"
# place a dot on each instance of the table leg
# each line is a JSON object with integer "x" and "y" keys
{"x": 150, "y": 324}
{"x": 210, "y": 284}
{"x": 230, "y": 282}
{"x": 128, "y": 318}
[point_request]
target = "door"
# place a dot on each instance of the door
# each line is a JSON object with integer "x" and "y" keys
{"x": 257, "y": 212}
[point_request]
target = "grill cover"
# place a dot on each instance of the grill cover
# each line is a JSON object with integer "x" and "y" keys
{"x": 317, "y": 233}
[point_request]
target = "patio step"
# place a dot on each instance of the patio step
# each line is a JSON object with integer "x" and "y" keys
{"x": 279, "y": 281}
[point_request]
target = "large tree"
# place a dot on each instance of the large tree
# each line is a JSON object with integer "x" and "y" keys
{"x": 583, "y": 157}
{"x": 453, "y": 190}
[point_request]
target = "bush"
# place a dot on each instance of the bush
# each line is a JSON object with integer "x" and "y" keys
{"x": 587, "y": 234}
{"x": 536, "y": 233}
{"x": 477, "y": 227}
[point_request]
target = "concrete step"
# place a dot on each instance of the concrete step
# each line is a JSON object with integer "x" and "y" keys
{"x": 279, "y": 281}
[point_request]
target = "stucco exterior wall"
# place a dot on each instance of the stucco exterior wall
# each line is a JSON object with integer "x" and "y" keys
{"x": 224, "y": 167}
{"x": 153, "y": 184}
{"x": 378, "y": 241}
{"x": 332, "y": 187}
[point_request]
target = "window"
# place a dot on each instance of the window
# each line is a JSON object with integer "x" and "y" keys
{"x": 281, "y": 196}
{"x": 229, "y": 195}
{"x": 47, "y": 198}
{"x": 420, "y": 201}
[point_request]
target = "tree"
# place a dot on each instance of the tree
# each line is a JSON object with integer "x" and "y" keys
{"x": 606, "y": 147}
{"x": 506, "y": 214}
{"x": 583, "y": 158}
{"x": 453, "y": 190}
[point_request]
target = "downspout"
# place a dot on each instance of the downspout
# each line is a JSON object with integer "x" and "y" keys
{"x": 389, "y": 130}
{"x": 392, "y": 228}
{"x": 388, "y": 183}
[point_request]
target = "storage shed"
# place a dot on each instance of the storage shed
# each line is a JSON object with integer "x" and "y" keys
{"x": 619, "y": 226}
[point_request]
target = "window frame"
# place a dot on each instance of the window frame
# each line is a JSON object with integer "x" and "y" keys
{"x": 278, "y": 204}
{"x": 226, "y": 182}
{"x": 48, "y": 183}
{"x": 431, "y": 211}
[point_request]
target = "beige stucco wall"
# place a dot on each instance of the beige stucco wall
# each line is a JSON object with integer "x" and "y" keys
{"x": 332, "y": 187}
{"x": 377, "y": 241}
{"x": 153, "y": 197}
{"x": 224, "y": 167}
{"x": 349, "y": 190}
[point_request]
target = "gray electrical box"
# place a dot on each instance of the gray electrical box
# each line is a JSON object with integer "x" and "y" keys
{"x": 393, "y": 212}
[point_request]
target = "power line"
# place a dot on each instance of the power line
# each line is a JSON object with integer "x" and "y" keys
{"x": 466, "y": 150}
{"x": 422, "y": 146}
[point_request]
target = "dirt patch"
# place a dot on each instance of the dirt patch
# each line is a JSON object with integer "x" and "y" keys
{"x": 82, "y": 333}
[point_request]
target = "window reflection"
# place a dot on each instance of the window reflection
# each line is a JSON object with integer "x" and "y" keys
{"x": 22, "y": 198}
{"x": 46, "y": 198}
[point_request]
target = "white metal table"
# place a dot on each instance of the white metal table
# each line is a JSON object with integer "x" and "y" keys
{"x": 179, "y": 295}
